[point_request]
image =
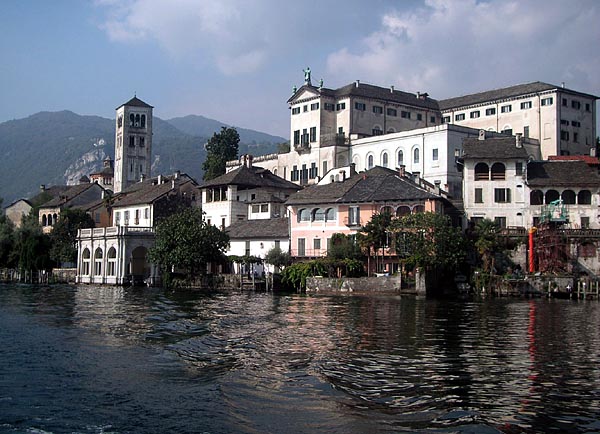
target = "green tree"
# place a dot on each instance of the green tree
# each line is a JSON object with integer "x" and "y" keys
{"x": 221, "y": 147}
{"x": 64, "y": 234}
{"x": 278, "y": 258}
{"x": 373, "y": 236}
{"x": 429, "y": 241}
{"x": 184, "y": 241}
{"x": 487, "y": 242}
{"x": 7, "y": 239}
{"x": 31, "y": 250}
{"x": 344, "y": 246}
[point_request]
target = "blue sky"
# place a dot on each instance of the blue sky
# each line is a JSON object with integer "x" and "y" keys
{"x": 237, "y": 60}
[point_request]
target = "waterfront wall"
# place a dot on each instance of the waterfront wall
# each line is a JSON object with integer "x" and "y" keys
{"x": 383, "y": 284}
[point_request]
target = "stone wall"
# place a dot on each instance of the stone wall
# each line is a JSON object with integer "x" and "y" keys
{"x": 384, "y": 284}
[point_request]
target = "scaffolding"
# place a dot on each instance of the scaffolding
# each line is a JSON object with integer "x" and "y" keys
{"x": 551, "y": 246}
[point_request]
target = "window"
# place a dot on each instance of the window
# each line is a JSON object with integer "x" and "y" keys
{"x": 384, "y": 159}
{"x": 564, "y": 102}
{"x": 526, "y": 131}
{"x": 295, "y": 110}
{"x": 360, "y": 106}
{"x": 340, "y": 106}
{"x": 329, "y": 106}
{"x": 584, "y": 197}
{"x": 312, "y": 172}
{"x": 479, "y": 195}
{"x": 416, "y": 156}
{"x": 131, "y": 140}
{"x": 314, "y": 106}
{"x": 303, "y": 215}
{"x": 490, "y": 111}
{"x": 304, "y": 108}
{"x": 330, "y": 214}
{"x": 117, "y": 218}
{"x": 313, "y": 134}
{"x": 146, "y": 213}
{"x": 324, "y": 167}
{"x": 576, "y": 123}
{"x": 86, "y": 255}
{"x": 400, "y": 158}
{"x": 587, "y": 107}
{"x": 564, "y": 122}
{"x": 576, "y": 137}
{"x": 419, "y": 117}
{"x": 392, "y": 112}
{"x": 111, "y": 269}
{"x": 564, "y": 135}
{"x": 474, "y": 114}
{"x": 297, "y": 137}
{"x": 498, "y": 172}
{"x": 502, "y": 195}
{"x": 142, "y": 142}
{"x": 304, "y": 138}
{"x": 301, "y": 246}
{"x": 264, "y": 207}
{"x": 294, "y": 174}
{"x": 500, "y": 221}
{"x": 354, "y": 215}
{"x": 507, "y": 131}
{"x": 377, "y": 109}
{"x": 255, "y": 209}
{"x": 434, "y": 155}
{"x": 526, "y": 105}
{"x": 126, "y": 217}
{"x": 506, "y": 108}
{"x": 317, "y": 244}
{"x": 405, "y": 115}
{"x": 370, "y": 162}
{"x": 247, "y": 248}
{"x": 459, "y": 117}
{"x": 98, "y": 262}
{"x": 575, "y": 104}
{"x": 547, "y": 101}
{"x": 585, "y": 222}
{"x": 446, "y": 120}
{"x": 519, "y": 168}
{"x": 376, "y": 131}
{"x": 432, "y": 119}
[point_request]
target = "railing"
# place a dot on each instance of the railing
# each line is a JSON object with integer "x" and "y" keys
{"x": 114, "y": 230}
{"x": 308, "y": 253}
{"x": 352, "y": 222}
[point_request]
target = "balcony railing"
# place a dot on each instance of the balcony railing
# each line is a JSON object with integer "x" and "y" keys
{"x": 308, "y": 253}
{"x": 352, "y": 222}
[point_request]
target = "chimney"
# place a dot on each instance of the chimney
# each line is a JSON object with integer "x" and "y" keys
{"x": 177, "y": 173}
{"x": 481, "y": 134}
{"x": 437, "y": 186}
{"x": 392, "y": 89}
{"x": 159, "y": 180}
{"x": 249, "y": 161}
{"x": 352, "y": 169}
{"x": 417, "y": 177}
{"x": 592, "y": 152}
{"x": 357, "y": 83}
{"x": 142, "y": 177}
{"x": 43, "y": 187}
{"x": 402, "y": 171}
{"x": 518, "y": 142}
{"x": 173, "y": 184}
{"x": 418, "y": 95}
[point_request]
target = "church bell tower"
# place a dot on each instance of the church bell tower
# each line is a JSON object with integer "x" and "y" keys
{"x": 133, "y": 143}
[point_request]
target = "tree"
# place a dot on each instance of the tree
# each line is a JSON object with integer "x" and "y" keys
{"x": 7, "y": 239}
{"x": 278, "y": 258}
{"x": 428, "y": 240}
{"x": 344, "y": 246}
{"x": 487, "y": 242}
{"x": 221, "y": 148}
{"x": 373, "y": 236}
{"x": 31, "y": 250}
{"x": 186, "y": 242}
{"x": 64, "y": 234}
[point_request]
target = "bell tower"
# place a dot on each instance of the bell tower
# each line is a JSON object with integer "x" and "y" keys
{"x": 133, "y": 143}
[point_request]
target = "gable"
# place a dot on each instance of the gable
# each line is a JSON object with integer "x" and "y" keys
{"x": 304, "y": 93}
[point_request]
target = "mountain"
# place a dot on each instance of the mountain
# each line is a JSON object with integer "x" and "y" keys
{"x": 54, "y": 148}
{"x": 250, "y": 140}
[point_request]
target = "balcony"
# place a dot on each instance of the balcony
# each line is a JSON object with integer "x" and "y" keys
{"x": 352, "y": 222}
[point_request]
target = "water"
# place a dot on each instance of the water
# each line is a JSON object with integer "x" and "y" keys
{"x": 110, "y": 360}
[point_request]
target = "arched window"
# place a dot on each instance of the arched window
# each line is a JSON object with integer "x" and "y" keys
{"x": 386, "y": 210}
{"x": 318, "y": 215}
{"x": 98, "y": 262}
{"x": 330, "y": 214}
{"x": 482, "y": 172}
{"x": 418, "y": 209}
{"x": 356, "y": 161}
{"x": 143, "y": 125}
{"x": 131, "y": 119}
{"x": 137, "y": 120}
{"x": 551, "y": 196}
{"x": 568, "y": 197}
{"x": 391, "y": 130}
{"x": 370, "y": 162}
{"x": 85, "y": 264}
{"x": 54, "y": 219}
{"x": 416, "y": 157}
{"x": 44, "y": 220}
{"x": 402, "y": 211}
{"x": 384, "y": 159}
{"x": 112, "y": 262}
{"x": 536, "y": 197}
{"x": 275, "y": 172}
{"x": 303, "y": 215}
{"x": 584, "y": 197}
{"x": 400, "y": 158}
{"x": 498, "y": 172}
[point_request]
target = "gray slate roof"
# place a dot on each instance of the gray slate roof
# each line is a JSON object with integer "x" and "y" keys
{"x": 374, "y": 92}
{"x": 149, "y": 191}
{"x": 493, "y": 148}
{"x": 259, "y": 229}
{"x": 500, "y": 94}
{"x": 375, "y": 185}
{"x": 251, "y": 177}
{"x": 66, "y": 196}
{"x": 136, "y": 102}
{"x": 562, "y": 173}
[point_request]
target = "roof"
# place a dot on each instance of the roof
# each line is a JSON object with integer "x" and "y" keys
{"x": 592, "y": 161}
{"x": 136, "y": 102}
{"x": 63, "y": 198}
{"x": 149, "y": 190}
{"x": 265, "y": 197}
{"x": 106, "y": 171}
{"x": 251, "y": 177}
{"x": 261, "y": 229}
{"x": 500, "y": 94}
{"x": 375, "y": 185}
{"x": 48, "y": 194}
{"x": 561, "y": 173}
{"x": 364, "y": 90}
{"x": 497, "y": 148}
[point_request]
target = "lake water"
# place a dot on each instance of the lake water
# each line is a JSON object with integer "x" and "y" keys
{"x": 100, "y": 360}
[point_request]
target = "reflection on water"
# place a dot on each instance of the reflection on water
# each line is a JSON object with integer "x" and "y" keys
{"x": 119, "y": 360}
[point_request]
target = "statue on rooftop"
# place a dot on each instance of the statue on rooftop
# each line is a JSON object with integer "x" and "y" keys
{"x": 307, "y": 75}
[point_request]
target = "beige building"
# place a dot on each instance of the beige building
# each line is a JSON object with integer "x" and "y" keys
{"x": 563, "y": 120}
{"x": 133, "y": 143}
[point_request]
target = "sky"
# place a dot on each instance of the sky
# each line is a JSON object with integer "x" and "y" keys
{"x": 237, "y": 60}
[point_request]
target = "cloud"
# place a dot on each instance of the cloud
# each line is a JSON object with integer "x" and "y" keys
{"x": 190, "y": 30}
{"x": 453, "y": 47}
